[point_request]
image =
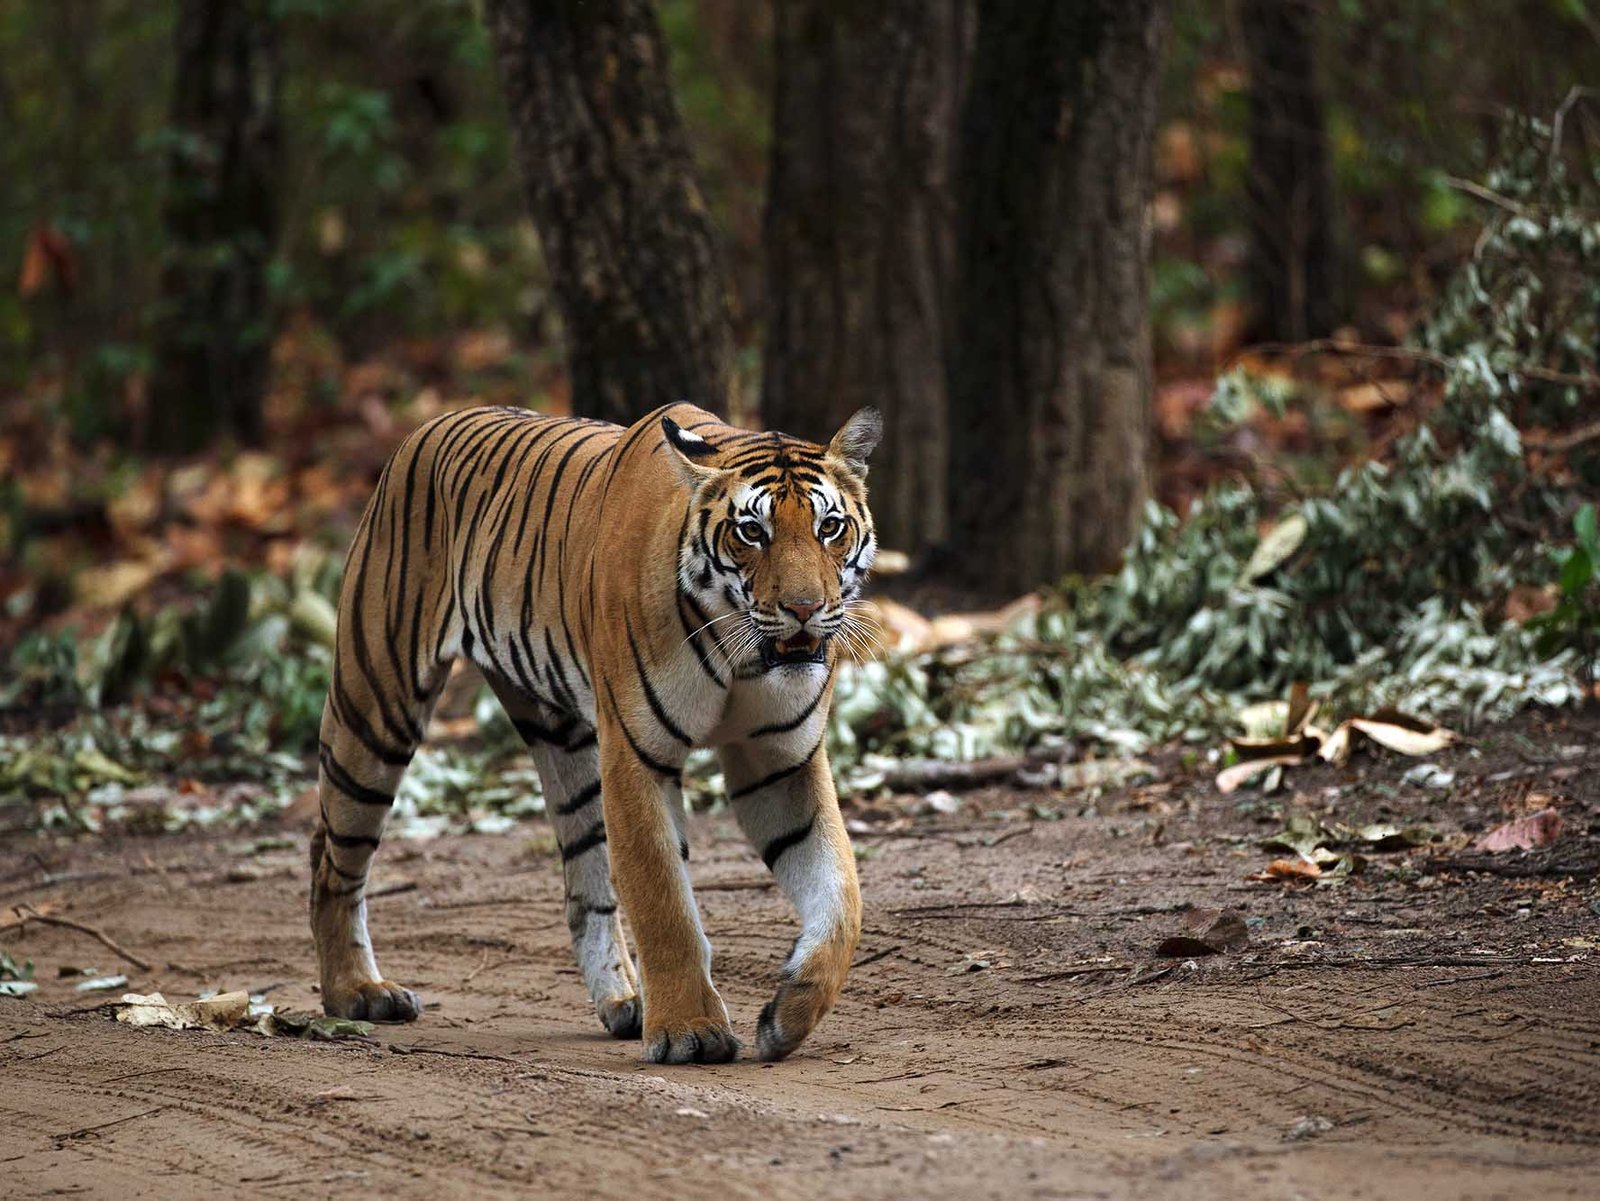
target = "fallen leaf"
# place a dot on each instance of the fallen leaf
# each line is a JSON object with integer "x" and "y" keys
{"x": 102, "y": 984}
{"x": 1536, "y": 830}
{"x": 1404, "y": 739}
{"x": 1289, "y": 869}
{"x": 1430, "y": 775}
{"x": 1302, "y": 834}
{"x": 222, "y": 1012}
{"x": 1206, "y": 932}
{"x": 1229, "y": 779}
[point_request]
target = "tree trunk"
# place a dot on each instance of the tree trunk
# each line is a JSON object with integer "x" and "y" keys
{"x": 1293, "y": 263}
{"x": 213, "y": 335}
{"x": 1050, "y": 376}
{"x": 860, "y": 238}
{"x": 629, "y": 244}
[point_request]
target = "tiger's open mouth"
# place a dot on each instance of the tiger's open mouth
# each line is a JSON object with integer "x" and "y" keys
{"x": 802, "y": 648}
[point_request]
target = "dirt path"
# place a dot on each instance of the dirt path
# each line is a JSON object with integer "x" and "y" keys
{"x": 1006, "y": 1034}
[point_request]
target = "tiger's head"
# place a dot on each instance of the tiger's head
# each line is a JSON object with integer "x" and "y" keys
{"x": 778, "y": 532}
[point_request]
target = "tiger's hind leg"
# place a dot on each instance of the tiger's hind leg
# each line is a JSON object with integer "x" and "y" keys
{"x": 360, "y": 769}
{"x": 567, "y": 757}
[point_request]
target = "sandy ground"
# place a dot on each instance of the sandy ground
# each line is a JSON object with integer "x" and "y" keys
{"x": 1007, "y": 1032}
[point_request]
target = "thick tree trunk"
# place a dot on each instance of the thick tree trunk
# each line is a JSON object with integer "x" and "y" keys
{"x": 611, "y": 185}
{"x": 860, "y": 237}
{"x": 1293, "y": 265}
{"x": 1050, "y": 373}
{"x": 213, "y": 336}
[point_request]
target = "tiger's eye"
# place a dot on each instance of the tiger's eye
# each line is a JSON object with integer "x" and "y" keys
{"x": 752, "y": 532}
{"x": 830, "y": 527}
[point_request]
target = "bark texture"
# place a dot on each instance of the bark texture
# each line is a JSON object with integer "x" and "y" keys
{"x": 213, "y": 336}
{"x": 630, "y": 246}
{"x": 860, "y": 237}
{"x": 1293, "y": 265}
{"x": 1050, "y": 373}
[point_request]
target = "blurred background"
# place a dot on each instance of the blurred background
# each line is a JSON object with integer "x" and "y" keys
{"x": 1252, "y": 341}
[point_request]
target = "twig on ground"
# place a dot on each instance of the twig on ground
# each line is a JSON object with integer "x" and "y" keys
{"x": 877, "y": 955}
{"x": 1081, "y": 969}
{"x": 27, "y": 913}
{"x": 83, "y": 1130}
{"x": 1516, "y": 869}
{"x": 393, "y": 890}
{"x": 402, "y": 1049}
{"x": 485, "y": 966}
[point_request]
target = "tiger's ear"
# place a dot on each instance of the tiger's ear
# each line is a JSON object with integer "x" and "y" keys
{"x": 856, "y": 439}
{"x": 686, "y": 448}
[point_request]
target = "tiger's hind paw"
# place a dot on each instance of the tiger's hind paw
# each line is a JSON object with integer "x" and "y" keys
{"x": 372, "y": 1001}
{"x": 621, "y": 1016}
{"x": 698, "y": 1043}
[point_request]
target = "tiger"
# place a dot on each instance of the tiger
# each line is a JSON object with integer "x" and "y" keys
{"x": 629, "y": 594}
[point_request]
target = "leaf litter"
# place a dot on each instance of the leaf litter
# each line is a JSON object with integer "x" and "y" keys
{"x": 232, "y": 1011}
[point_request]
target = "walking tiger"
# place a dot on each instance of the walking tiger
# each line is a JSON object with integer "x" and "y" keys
{"x": 629, "y": 594}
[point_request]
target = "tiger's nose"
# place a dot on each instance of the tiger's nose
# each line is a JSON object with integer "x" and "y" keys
{"x": 802, "y": 609}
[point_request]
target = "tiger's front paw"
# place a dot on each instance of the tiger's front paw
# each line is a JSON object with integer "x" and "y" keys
{"x": 372, "y": 1001}
{"x": 698, "y": 1041}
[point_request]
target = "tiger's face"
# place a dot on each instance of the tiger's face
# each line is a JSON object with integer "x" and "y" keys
{"x": 780, "y": 534}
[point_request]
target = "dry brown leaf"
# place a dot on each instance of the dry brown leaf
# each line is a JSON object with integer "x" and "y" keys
{"x": 1528, "y": 601}
{"x": 1289, "y": 869}
{"x": 1206, "y": 932}
{"x": 1405, "y": 740}
{"x": 1231, "y": 778}
{"x": 1526, "y": 833}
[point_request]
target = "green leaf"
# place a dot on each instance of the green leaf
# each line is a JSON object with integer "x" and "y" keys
{"x": 1584, "y": 525}
{"x": 1576, "y": 572}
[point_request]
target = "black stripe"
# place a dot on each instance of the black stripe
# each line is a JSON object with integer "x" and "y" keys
{"x": 579, "y": 799}
{"x": 341, "y": 873}
{"x": 346, "y": 783}
{"x": 784, "y": 727}
{"x": 347, "y": 841}
{"x": 783, "y": 773}
{"x": 534, "y": 734}
{"x": 356, "y": 724}
{"x": 655, "y": 765}
{"x": 773, "y": 851}
{"x": 650, "y": 696}
{"x": 694, "y": 632}
{"x": 588, "y": 842}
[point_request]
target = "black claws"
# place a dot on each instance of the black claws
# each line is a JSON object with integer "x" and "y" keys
{"x": 772, "y": 1041}
{"x": 714, "y": 1044}
{"x": 622, "y": 1019}
{"x": 377, "y": 1003}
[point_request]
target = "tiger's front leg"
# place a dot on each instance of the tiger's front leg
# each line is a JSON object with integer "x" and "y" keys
{"x": 784, "y": 799}
{"x": 685, "y": 1020}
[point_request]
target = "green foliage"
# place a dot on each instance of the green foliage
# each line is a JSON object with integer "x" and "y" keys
{"x": 16, "y": 979}
{"x": 1378, "y": 591}
{"x": 1575, "y": 620}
